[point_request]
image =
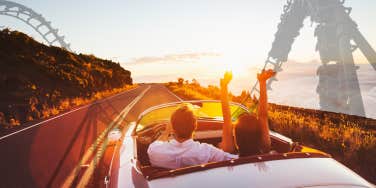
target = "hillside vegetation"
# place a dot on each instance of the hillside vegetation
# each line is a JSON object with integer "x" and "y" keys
{"x": 349, "y": 139}
{"x": 37, "y": 81}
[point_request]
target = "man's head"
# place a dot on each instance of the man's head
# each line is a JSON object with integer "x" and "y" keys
{"x": 183, "y": 122}
{"x": 248, "y": 135}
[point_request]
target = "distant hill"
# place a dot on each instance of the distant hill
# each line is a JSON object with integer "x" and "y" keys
{"x": 35, "y": 77}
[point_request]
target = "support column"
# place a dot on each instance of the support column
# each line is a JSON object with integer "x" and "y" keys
{"x": 351, "y": 83}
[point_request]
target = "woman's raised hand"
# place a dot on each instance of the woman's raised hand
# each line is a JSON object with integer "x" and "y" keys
{"x": 265, "y": 75}
{"x": 227, "y": 77}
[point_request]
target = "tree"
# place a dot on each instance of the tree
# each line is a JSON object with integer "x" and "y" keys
{"x": 180, "y": 81}
{"x": 195, "y": 82}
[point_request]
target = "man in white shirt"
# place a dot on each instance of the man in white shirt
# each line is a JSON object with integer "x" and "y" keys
{"x": 183, "y": 151}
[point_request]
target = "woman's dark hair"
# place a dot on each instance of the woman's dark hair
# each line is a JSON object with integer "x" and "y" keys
{"x": 248, "y": 136}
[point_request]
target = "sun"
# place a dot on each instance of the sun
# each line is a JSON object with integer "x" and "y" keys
{"x": 217, "y": 66}
{"x": 235, "y": 68}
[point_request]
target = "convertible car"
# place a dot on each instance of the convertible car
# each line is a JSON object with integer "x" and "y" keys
{"x": 291, "y": 165}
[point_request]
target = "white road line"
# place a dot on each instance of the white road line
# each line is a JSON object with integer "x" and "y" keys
{"x": 66, "y": 113}
{"x": 92, "y": 165}
{"x": 173, "y": 94}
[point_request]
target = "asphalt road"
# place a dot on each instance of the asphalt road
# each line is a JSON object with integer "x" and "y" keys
{"x": 59, "y": 151}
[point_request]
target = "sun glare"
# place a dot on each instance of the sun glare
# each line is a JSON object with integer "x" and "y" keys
{"x": 237, "y": 67}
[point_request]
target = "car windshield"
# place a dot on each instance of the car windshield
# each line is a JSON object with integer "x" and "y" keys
{"x": 210, "y": 110}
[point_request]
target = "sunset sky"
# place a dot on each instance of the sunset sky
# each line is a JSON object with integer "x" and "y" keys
{"x": 239, "y": 30}
{"x": 160, "y": 40}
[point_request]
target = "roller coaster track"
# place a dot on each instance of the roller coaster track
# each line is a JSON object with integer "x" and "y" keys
{"x": 334, "y": 22}
{"x": 34, "y": 20}
{"x": 272, "y": 63}
{"x": 275, "y": 64}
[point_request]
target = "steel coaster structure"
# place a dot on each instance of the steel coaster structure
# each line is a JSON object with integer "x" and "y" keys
{"x": 337, "y": 38}
{"x": 34, "y": 20}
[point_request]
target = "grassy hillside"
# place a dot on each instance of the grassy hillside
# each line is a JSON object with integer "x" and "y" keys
{"x": 349, "y": 139}
{"x": 37, "y": 81}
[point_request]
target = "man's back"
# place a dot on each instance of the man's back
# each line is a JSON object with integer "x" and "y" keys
{"x": 173, "y": 154}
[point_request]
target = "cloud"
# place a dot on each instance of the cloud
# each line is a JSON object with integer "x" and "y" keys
{"x": 174, "y": 58}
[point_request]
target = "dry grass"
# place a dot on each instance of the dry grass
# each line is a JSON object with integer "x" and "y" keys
{"x": 58, "y": 106}
{"x": 349, "y": 139}
{"x": 39, "y": 81}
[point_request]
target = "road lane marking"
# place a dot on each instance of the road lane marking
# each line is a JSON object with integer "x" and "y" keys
{"x": 89, "y": 153}
{"x": 66, "y": 113}
{"x": 92, "y": 165}
{"x": 174, "y": 94}
{"x": 89, "y": 172}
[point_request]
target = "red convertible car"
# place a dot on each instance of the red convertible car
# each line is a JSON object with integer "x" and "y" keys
{"x": 292, "y": 165}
